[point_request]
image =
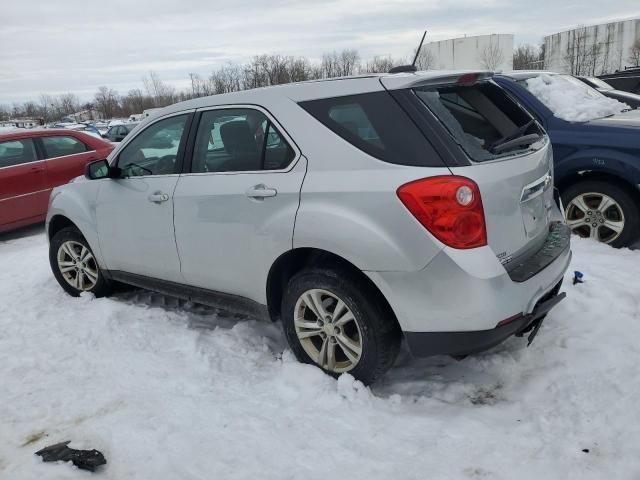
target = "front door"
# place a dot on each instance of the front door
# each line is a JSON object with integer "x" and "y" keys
{"x": 235, "y": 210}
{"x": 135, "y": 213}
{"x": 23, "y": 183}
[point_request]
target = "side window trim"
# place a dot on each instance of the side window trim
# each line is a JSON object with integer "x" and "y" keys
{"x": 181, "y": 148}
{"x": 271, "y": 120}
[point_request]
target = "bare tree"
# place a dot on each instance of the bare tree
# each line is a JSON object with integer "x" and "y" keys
{"x": 69, "y": 103}
{"x": 340, "y": 64}
{"x": 106, "y": 101}
{"x": 426, "y": 60}
{"x": 491, "y": 56}
{"x": 46, "y": 107}
{"x": 161, "y": 93}
{"x": 226, "y": 79}
{"x": 379, "y": 65}
{"x": 634, "y": 53}
{"x": 526, "y": 57}
{"x": 577, "y": 53}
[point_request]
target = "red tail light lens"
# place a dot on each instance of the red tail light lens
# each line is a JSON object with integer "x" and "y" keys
{"x": 449, "y": 207}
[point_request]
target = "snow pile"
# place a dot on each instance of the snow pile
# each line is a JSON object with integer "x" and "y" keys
{"x": 168, "y": 390}
{"x": 569, "y": 99}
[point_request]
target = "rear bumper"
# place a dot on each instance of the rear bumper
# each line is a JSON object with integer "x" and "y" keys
{"x": 424, "y": 344}
{"x": 470, "y": 290}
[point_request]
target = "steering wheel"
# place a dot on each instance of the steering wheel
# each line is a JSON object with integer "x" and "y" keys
{"x": 165, "y": 165}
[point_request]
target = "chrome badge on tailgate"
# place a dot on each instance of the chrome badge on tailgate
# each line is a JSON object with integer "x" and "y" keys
{"x": 534, "y": 208}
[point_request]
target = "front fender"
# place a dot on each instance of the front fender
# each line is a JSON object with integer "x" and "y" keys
{"x": 77, "y": 202}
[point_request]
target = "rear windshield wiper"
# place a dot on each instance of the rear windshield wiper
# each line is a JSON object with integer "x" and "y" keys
{"x": 516, "y": 142}
{"x": 514, "y": 139}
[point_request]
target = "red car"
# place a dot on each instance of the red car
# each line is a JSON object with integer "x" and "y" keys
{"x": 32, "y": 162}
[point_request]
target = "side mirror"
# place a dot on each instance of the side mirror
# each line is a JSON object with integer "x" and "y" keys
{"x": 100, "y": 169}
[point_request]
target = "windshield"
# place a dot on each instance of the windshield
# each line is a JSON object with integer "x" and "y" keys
{"x": 571, "y": 99}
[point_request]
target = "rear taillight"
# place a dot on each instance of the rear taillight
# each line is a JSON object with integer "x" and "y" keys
{"x": 449, "y": 207}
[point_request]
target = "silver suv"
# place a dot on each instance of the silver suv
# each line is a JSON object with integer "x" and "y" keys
{"x": 357, "y": 211}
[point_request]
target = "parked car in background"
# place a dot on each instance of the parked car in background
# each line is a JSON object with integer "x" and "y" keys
{"x": 88, "y": 129}
{"x": 117, "y": 133}
{"x": 627, "y": 80}
{"x": 356, "y": 210}
{"x": 596, "y": 150}
{"x": 32, "y": 162}
{"x": 631, "y": 99}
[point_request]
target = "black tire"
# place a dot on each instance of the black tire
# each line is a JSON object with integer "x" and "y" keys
{"x": 380, "y": 333}
{"x": 628, "y": 204}
{"x": 102, "y": 286}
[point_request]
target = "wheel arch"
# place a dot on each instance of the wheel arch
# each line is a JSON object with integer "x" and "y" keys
{"x": 601, "y": 176}
{"x": 293, "y": 261}
{"x": 57, "y": 223}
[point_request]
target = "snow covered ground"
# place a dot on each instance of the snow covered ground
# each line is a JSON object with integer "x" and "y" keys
{"x": 174, "y": 391}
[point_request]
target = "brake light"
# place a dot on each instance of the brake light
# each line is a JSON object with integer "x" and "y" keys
{"x": 468, "y": 79}
{"x": 449, "y": 207}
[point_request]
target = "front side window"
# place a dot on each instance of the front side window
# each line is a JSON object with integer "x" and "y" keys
{"x": 17, "y": 152}
{"x": 239, "y": 140}
{"x": 60, "y": 146}
{"x": 154, "y": 151}
{"x": 482, "y": 119}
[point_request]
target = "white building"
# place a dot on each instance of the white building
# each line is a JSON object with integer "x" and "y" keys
{"x": 481, "y": 52}
{"x": 592, "y": 50}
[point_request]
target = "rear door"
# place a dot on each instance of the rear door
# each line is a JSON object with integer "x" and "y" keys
{"x": 235, "y": 209}
{"x": 23, "y": 190}
{"x": 66, "y": 157}
{"x": 135, "y": 213}
{"x": 506, "y": 153}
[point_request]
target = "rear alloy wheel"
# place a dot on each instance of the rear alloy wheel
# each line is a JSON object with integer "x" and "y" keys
{"x": 601, "y": 211}
{"x": 336, "y": 320}
{"x": 328, "y": 331}
{"x": 74, "y": 264}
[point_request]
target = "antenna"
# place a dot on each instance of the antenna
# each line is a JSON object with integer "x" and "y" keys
{"x": 415, "y": 59}
{"x": 412, "y": 67}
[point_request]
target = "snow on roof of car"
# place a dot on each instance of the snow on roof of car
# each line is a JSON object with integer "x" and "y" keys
{"x": 572, "y": 100}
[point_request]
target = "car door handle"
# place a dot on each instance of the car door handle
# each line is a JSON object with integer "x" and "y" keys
{"x": 37, "y": 169}
{"x": 261, "y": 191}
{"x": 158, "y": 197}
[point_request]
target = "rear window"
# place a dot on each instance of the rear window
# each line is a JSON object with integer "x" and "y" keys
{"x": 482, "y": 119}
{"x": 374, "y": 123}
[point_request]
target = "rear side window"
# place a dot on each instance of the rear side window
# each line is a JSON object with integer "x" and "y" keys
{"x": 374, "y": 123}
{"x": 16, "y": 152}
{"x": 239, "y": 140}
{"x": 60, "y": 146}
{"x": 482, "y": 119}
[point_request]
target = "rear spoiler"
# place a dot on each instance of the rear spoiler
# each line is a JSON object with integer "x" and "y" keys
{"x": 466, "y": 78}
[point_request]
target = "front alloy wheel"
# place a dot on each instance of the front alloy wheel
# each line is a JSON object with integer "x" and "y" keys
{"x": 74, "y": 266}
{"x": 77, "y": 265}
{"x": 595, "y": 215}
{"x": 327, "y": 330}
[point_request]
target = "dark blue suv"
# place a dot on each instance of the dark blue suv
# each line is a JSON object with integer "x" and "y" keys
{"x": 597, "y": 160}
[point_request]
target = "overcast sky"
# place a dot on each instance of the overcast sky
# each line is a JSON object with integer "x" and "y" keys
{"x": 75, "y": 46}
